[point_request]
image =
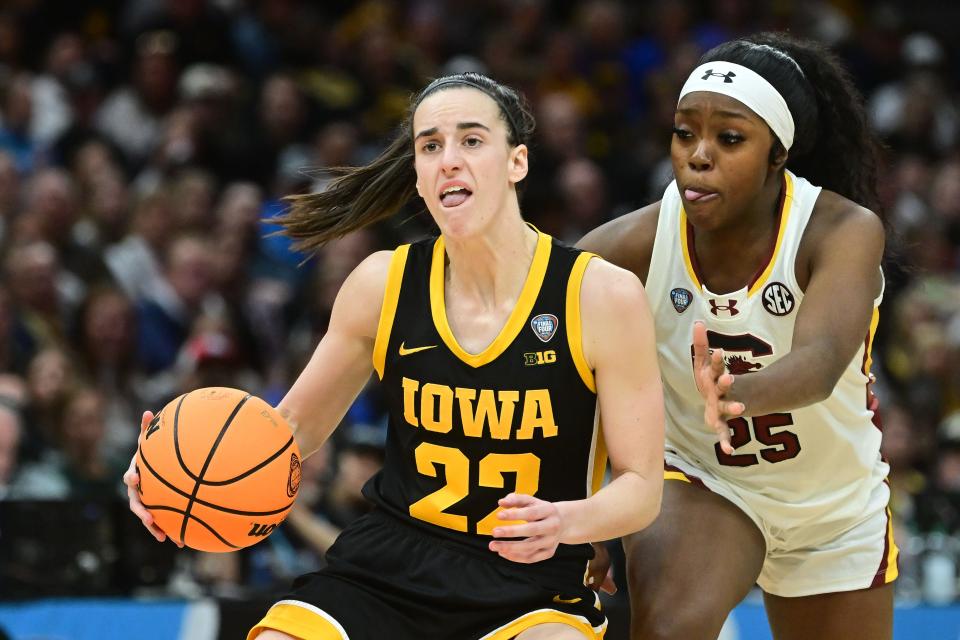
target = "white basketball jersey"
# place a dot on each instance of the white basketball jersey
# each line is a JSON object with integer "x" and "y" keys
{"x": 815, "y": 464}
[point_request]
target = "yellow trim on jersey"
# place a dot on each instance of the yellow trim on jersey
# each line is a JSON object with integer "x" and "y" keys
{"x": 299, "y": 622}
{"x": 784, "y": 218}
{"x": 892, "y": 552}
{"x": 574, "y": 325}
{"x": 684, "y": 248}
{"x": 391, "y": 295}
{"x": 517, "y": 319}
{"x": 599, "y": 460}
{"x": 871, "y": 334}
{"x": 544, "y": 616}
{"x": 675, "y": 475}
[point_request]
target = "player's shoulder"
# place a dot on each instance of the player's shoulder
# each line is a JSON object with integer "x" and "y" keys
{"x": 840, "y": 218}
{"x": 609, "y": 288}
{"x": 362, "y": 293}
{"x": 626, "y": 241}
{"x": 374, "y": 269}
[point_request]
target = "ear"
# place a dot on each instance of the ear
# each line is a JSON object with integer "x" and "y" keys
{"x": 778, "y": 156}
{"x": 517, "y": 163}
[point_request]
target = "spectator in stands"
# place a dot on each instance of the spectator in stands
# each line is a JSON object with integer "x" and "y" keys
{"x": 105, "y": 338}
{"x": 9, "y": 194}
{"x": 134, "y": 262}
{"x": 16, "y": 108}
{"x": 10, "y": 432}
{"x": 131, "y": 117}
{"x": 165, "y": 315}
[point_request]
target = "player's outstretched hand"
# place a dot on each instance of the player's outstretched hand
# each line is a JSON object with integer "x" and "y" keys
{"x": 132, "y": 479}
{"x": 713, "y": 382}
{"x": 538, "y": 523}
{"x": 600, "y": 570}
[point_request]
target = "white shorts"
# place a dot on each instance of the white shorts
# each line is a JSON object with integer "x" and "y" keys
{"x": 860, "y": 554}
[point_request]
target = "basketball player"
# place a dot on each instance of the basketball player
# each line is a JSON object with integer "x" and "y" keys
{"x": 762, "y": 249}
{"x": 496, "y": 346}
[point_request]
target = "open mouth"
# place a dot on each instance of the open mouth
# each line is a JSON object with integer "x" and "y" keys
{"x": 454, "y": 196}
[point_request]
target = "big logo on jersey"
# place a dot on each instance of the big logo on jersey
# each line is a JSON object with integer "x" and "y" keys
{"x": 777, "y": 299}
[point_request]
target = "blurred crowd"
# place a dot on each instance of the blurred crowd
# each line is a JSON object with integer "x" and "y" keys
{"x": 146, "y": 144}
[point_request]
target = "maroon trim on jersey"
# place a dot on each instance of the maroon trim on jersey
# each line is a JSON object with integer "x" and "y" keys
{"x": 694, "y": 480}
{"x": 691, "y": 250}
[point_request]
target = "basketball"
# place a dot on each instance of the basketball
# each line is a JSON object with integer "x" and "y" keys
{"x": 219, "y": 469}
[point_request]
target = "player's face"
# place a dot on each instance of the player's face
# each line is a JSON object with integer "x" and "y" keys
{"x": 720, "y": 154}
{"x": 466, "y": 169}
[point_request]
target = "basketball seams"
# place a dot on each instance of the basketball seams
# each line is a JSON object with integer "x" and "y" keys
{"x": 160, "y": 507}
{"x": 206, "y": 464}
{"x": 176, "y": 438}
{"x": 252, "y": 470}
{"x": 205, "y": 503}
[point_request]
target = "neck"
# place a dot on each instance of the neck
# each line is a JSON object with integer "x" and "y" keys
{"x": 492, "y": 267}
{"x": 756, "y": 222}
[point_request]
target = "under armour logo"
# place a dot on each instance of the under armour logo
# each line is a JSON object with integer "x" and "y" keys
{"x": 730, "y": 308}
{"x": 727, "y": 77}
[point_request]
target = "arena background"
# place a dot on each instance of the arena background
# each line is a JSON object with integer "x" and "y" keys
{"x": 143, "y": 143}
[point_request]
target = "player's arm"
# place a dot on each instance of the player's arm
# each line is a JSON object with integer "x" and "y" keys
{"x": 832, "y": 320}
{"x": 343, "y": 360}
{"x": 618, "y": 344}
{"x": 626, "y": 241}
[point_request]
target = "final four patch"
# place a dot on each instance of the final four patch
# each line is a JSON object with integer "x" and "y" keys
{"x": 681, "y": 299}
{"x": 545, "y": 326}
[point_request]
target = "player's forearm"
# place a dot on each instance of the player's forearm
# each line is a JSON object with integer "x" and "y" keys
{"x": 629, "y": 503}
{"x": 803, "y": 377}
{"x": 309, "y": 431}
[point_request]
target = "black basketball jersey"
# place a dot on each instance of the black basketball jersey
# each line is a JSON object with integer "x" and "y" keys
{"x": 467, "y": 429}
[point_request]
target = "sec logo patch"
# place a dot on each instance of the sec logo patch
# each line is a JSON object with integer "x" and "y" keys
{"x": 777, "y": 299}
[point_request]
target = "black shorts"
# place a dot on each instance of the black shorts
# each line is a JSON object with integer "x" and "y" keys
{"x": 387, "y": 579}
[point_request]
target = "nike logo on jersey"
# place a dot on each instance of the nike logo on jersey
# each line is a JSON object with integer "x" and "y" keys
{"x": 560, "y": 600}
{"x": 405, "y": 352}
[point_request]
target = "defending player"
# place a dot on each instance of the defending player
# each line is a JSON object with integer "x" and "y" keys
{"x": 780, "y": 275}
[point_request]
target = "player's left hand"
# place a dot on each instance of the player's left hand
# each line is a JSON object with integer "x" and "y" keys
{"x": 540, "y": 526}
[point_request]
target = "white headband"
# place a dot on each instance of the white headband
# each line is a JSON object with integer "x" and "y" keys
{"x": 748, "y": 87}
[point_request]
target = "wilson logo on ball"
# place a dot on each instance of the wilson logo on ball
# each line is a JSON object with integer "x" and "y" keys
{"x": 293, "y": 480}
{"x": 260, "y": 530}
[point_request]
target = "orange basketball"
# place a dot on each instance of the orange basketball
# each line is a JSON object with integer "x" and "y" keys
{"x": 219, "y": 469}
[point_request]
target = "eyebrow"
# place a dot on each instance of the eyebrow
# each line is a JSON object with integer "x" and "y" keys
{"x": 720, "y": 112}
{"x": 460, "y": 126}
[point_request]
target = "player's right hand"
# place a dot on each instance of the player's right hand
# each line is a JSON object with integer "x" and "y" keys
{"x": 132, "y": 479}
{"x": 600, "y": 570}
{"x": 714, "y": 382}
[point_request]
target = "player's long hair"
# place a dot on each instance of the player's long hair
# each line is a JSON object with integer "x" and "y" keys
{"x": 360, "y": 196}
{"x": 834, "y": 146}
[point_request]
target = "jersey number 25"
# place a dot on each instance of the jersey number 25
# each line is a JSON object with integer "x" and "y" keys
{"x": 782, "y": 445}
